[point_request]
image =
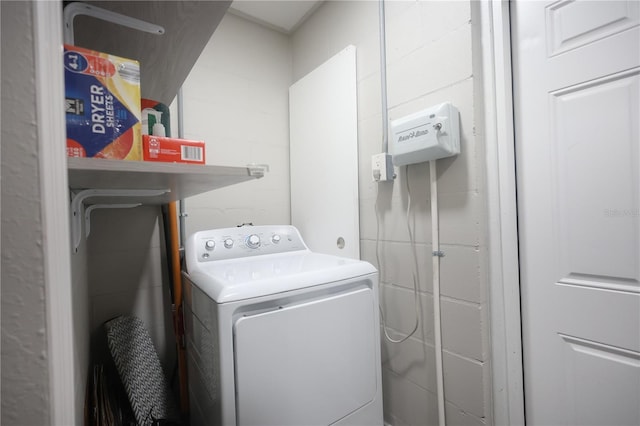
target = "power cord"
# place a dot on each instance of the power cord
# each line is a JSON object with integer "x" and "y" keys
{"x": 415, "y": 264}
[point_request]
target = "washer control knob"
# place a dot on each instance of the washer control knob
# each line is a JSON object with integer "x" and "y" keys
{"x": 228, "y": 243}
{"x": 209, "y": 244}
{"x": 275, "y": 239}
{"x": 253, "y": 241}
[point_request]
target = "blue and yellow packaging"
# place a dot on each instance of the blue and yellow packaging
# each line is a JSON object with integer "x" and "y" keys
{"x": 102, "y": 104}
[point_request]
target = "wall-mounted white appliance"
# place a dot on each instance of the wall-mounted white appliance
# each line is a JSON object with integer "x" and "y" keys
{"x": 425, "y": 135}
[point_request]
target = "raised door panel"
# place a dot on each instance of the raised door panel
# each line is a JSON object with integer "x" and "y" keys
{"x": 594, "y": 135}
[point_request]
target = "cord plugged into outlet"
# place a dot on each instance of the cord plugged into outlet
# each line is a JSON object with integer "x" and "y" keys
{"x": 382, "y": 167}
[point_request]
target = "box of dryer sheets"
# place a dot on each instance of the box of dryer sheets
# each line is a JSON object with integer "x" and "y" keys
{"x": 102, "y": 104}
{"x": 171, "y": 150}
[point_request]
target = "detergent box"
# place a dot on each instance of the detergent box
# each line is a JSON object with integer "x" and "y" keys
{"x": 171, "y": 150}
{"x": 102, "y": 104}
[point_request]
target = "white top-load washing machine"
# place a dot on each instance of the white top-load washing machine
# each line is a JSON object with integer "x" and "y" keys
{"x": 279, "y": 335}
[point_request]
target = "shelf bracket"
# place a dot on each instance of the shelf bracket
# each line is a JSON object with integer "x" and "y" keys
{"x": 78, "y": 8}
{"x": 257, "y": 170}
{"x": 77, "y": 206}
{"x": 92, "y": 207}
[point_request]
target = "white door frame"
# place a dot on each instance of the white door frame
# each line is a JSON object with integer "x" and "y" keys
{"x": 49, "y": 80}
{"x": 502, "y": 230}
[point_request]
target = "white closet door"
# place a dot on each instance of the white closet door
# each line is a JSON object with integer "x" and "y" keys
{"x": 323, "y": 120}
{"x": 577, "y": 94}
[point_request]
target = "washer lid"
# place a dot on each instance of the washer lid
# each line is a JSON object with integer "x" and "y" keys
{"x": 238, "y": 279}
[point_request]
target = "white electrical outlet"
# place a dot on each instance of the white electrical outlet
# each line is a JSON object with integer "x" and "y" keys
{"x": 382, "y": 167}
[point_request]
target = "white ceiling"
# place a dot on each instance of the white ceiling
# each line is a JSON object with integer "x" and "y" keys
{"x": 281, "y": 15}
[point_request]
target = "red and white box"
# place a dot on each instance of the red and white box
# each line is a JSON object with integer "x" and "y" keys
{"x": 172, "y": 150}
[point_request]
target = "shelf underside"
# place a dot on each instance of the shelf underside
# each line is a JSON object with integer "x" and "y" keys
{"x": 183, "y": 180}
{"x": 165, "y": 60}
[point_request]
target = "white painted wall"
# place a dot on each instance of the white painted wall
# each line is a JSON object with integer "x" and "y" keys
{"x": 25, "y": 372}
{"x": 236, "y": 100}
{"x": 429, "y": 56}
{"x": 323, "y": 132}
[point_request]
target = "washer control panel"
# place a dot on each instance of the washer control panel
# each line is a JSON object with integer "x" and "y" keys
{"x": 244, "y": 241}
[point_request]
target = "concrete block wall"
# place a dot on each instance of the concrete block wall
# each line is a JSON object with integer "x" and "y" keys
{"x": 236, "y": 99}
{"x": 127, "y": 274}
{"x": 429, "y": 61}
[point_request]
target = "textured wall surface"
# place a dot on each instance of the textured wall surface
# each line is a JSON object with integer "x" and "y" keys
{"x": 25, "y": 369}
{"x": 429, "y": 61}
